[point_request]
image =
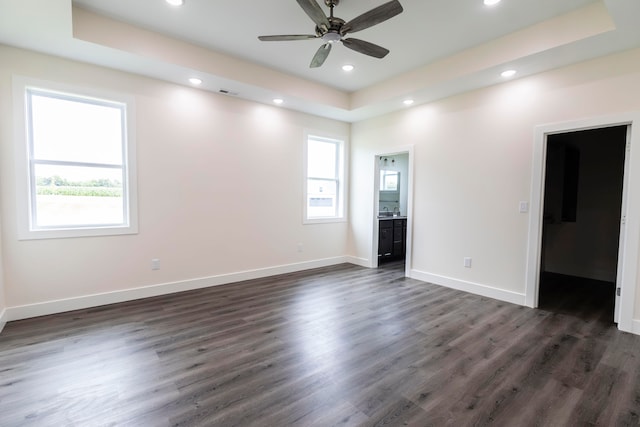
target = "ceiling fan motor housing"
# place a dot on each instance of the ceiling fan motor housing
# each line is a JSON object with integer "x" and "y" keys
{"x": 333, "y": 33}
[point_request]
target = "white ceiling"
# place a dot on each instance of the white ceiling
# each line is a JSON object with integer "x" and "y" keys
{"x": 438, "y": 47}
{"x": 427, "y": 30}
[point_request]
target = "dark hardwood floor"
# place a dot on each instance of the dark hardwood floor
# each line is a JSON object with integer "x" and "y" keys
{"x": 333, "y": 346}
{"x": 585, "y": 298}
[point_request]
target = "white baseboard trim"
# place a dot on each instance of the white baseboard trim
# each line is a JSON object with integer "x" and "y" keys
{"x": 3, "y": 319}
{"x": 362, "y": 262}
{"x": 473, "y": 288}
{"x": 87, "y": 301}
{"x": 635, "y": 327}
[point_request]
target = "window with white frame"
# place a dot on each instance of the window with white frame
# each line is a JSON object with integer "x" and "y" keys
{"x": 324, "y": 189}
{"x": 79, "y": 175}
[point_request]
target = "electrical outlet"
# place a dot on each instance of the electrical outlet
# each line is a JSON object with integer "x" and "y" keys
{"x": 467, "y": 262}
{"x": 300, "y": 248}
{"x": 155, "y": 264}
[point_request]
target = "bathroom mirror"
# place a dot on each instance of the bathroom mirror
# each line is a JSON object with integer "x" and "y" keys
{"x": 389, "y": 180}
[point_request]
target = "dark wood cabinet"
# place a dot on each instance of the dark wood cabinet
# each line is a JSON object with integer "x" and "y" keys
{"x": 385, "y": 239}
{"x": 392, "y": 239}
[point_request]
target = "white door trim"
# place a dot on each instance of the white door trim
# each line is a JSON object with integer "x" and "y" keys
{"x": 628, "y": 260}
{"x": 623, "y": 226}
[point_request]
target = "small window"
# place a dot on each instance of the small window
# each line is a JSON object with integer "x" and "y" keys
{"x": 324, "y": 195}
{"x": 78, "y": 165}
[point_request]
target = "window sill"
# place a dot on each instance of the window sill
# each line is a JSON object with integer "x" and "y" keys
{"x": 77, "y": 232}
{"x": 323, "y": 220}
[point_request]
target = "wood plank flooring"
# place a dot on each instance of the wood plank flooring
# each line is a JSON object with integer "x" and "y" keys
{"x": 343, "y": 346}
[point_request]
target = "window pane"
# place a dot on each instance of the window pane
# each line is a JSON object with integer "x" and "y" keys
{"x": 78, "y": 196}
{"x": 75, "y": 130}
{"x": 321, "y": 161}
{"x": 321, "y": 198}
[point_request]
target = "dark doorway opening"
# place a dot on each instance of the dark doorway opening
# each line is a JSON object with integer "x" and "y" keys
{"x": 587, "y": 299}
{"x": 582, "y": 215}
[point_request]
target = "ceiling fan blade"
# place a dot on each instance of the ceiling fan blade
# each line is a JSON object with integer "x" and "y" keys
{"x": 287, "y": 38}
{"x": 320, "y": 56}
{"x": 315, "y": 12}
{"x": 373, "y": 17}
{"x": 365, "y": 47}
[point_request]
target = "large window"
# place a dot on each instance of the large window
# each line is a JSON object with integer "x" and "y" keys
{"x": 324, "y": 195}
{"x": 79, "y": 177}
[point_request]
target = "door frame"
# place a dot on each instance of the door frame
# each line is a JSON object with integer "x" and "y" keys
{"x": 629, "y": 232}
{"x": 376, "y": 201}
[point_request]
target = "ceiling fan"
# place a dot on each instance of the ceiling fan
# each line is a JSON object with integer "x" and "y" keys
{"x": 332, "y": 29}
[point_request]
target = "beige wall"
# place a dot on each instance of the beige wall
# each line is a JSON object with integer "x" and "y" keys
{"x": 219, "y": 191}
{"x": 5, "y": 135}
{"x": 3, "y": 304}
{"x": 473, "y": 164}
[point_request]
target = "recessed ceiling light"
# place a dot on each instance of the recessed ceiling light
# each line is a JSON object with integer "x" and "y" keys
{"x": 195, "y": 81}
{"x": 175, "y": 2}
{"x": 407, "y": 101}
{"x": 278, "y": 101}
{"x": 508, "y": 73}
{"x": 347, "y": 67}
{"x": 491, "y": 2}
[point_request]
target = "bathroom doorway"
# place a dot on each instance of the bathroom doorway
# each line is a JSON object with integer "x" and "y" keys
{"x": 393, "y": 183}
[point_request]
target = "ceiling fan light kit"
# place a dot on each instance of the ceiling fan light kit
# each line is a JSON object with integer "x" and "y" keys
{"x": 331, "y": 29}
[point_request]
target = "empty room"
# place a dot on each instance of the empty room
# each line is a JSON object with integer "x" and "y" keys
{"x": 319, "y": 212}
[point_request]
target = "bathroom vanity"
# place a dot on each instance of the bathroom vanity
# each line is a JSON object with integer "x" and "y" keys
{"x": 392, "y": 233}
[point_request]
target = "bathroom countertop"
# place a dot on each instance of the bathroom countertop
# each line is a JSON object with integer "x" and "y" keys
{"x": 385, "y": 218}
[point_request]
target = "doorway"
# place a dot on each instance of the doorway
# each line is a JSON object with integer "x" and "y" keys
{"x": 582, "y": 213}
{"x": 629, "y": 242}
{"x": 392, "y": 184}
